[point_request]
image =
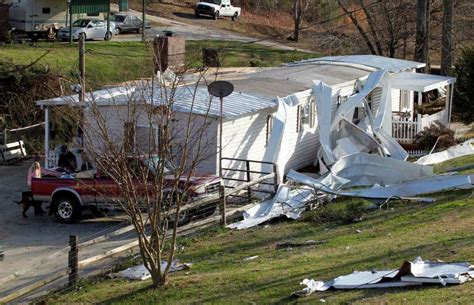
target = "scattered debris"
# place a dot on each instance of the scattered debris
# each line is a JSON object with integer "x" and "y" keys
{"x": 398, "y": 191}
{"x": 290, "y": 203}
{"x": 141, "y": 273}
{"x": 251, "y": 258}
{"x": 289, "y": 244}
{"x": 463, "y": 149}
{"x": 413, "y": 273}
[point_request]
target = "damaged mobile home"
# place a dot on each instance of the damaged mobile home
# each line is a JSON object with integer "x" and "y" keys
{"x": 264, "y": 100}
{"x": 345, "y": 114}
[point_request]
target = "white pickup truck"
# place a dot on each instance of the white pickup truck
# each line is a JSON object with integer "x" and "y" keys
{"x": 216, "y": 9}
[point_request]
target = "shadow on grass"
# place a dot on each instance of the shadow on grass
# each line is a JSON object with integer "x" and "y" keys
{"x": 130, "y": 295}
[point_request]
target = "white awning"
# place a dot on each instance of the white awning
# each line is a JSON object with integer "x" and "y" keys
{"x": 420, "y": 82}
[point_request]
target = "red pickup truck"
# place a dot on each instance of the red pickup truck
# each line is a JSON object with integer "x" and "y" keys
{"x": 69, "y": 194}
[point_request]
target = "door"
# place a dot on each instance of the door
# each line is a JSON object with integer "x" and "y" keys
{"x": 136, "y": 23}
{"x": 101, "y": 27}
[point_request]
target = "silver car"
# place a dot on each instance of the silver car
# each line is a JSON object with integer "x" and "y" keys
{"x": 91, "y": 28}
{"x": 127, "y": 23}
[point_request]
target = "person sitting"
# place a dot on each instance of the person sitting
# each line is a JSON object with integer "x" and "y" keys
{"x": 67, "y": 160}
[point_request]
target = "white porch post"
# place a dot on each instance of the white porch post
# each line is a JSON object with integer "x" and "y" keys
{"x": 46, "y": 136}
{"x": 418, "y": 116}
{"x": 451, "y": 91}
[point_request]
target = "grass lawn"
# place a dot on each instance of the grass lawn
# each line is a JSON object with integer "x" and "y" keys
{"x": 114, "y": 62}
{"x": 442, "y": 230}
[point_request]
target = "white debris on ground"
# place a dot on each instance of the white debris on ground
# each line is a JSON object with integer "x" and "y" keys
{"x": 463, "y": 149}
{"x": 287, "y": 202}
{"x": 356, "y": 151}
{"x": 418, "y": 272}
{"x": 141, "y": 273}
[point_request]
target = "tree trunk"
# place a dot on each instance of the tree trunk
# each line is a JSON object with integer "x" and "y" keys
{"x": 421, "y": 31}
{"x": 372, "y": 27}
{"x": 297, "y": 19}
{"x": 427, "y": 36}
{"x": 356, "y": 23}
{"x": 446, "y": 40}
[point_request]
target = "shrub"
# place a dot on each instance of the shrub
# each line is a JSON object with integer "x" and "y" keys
{"x": 463, "y": 102}
{"x": 426, "y": 139}
{"x": 341, "y": 213}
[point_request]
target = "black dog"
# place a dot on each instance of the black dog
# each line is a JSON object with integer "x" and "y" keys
{"x": 27, "y": 201}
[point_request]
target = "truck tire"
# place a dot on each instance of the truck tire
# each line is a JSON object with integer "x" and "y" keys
{"x": 67, "y": 209}
{"x": 216, "y": 15}
{"x": 183, "y": 217}
{"x": 234, "y": 17}
{"x": 196, "y": 13}
{"x": 118, "y": 31}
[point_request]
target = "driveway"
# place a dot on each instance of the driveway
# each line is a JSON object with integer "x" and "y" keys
{"x": 28, "y": 241}
{"x": 196, "y": 32}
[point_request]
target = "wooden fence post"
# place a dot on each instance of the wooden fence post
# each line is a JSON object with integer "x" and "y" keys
{"x": 223, "y": 205}
{"x": 73, "y": 260}
{"x": 249, "y": 189}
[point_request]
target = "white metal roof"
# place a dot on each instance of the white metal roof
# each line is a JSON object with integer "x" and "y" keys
{"x": 392, "y": 65}
{"x": 286, "y": 80}
{"x": 235, "y": 105}
{"x": 419, "y": 81}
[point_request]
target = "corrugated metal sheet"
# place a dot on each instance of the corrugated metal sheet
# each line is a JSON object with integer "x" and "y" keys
{"x": 90, "y": 6}
{"x": 185, "y": 100}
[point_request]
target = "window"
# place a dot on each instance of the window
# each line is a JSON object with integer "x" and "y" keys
{"x": 303, "y": 116}
{"x": 269, "y": 128}
{"x": 46, "y": 10}
{"x": 404, "y": 100}
{"x": 93, "y": 14}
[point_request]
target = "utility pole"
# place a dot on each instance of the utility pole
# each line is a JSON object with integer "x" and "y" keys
{"x": 70, "y": 20}
{"x": 82, "y": 67}
{"x": 143, "y": 20}
{"x": 447, "y": 37}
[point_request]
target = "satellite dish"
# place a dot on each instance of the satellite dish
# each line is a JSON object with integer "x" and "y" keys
{"x": 220, "y": 88}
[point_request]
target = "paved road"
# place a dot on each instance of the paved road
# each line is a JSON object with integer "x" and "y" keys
{"x": 28, "y": 241}
{"x": 195, "y": 32}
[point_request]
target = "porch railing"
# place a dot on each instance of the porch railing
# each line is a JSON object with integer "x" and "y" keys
{"x": 404, "y": 131}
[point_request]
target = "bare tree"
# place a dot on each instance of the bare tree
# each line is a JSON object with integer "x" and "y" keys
{"x": 447, "y": 37}
{"x": 383, "y": 25}
{"x": 421, "y": 54}
{"x": 299, "y": 10}
{"x": 152, "y": 170}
